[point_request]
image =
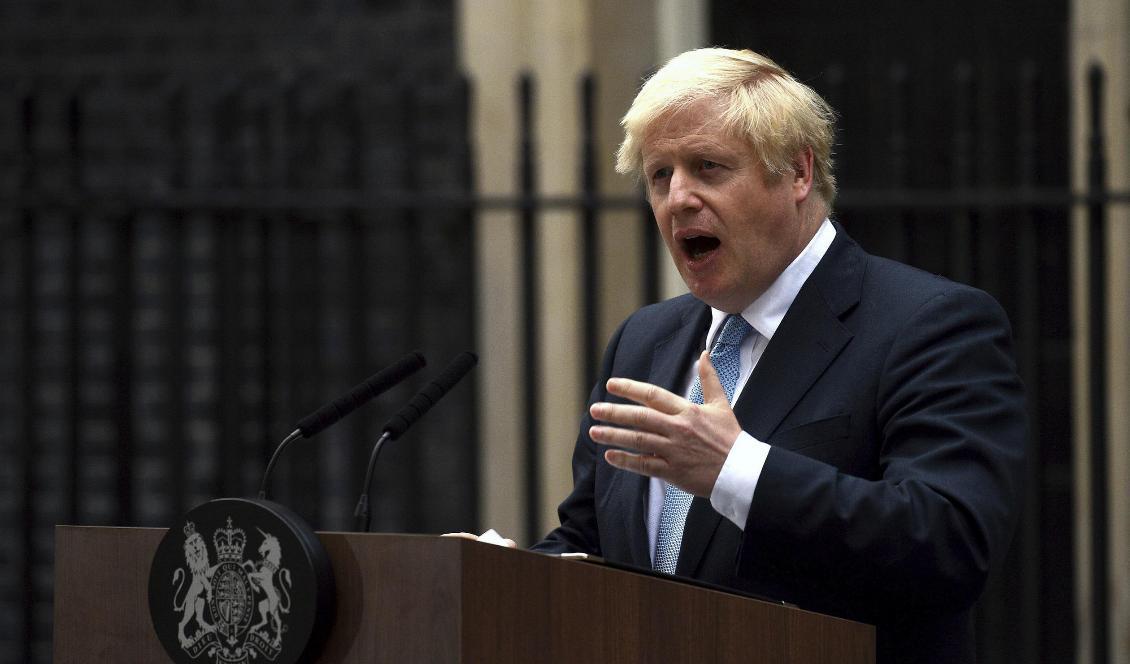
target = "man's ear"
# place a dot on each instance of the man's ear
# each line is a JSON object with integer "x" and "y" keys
{"x": 802, "y": 174}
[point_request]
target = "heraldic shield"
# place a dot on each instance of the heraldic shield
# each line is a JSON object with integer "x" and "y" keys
{"x": 240, "y": 581}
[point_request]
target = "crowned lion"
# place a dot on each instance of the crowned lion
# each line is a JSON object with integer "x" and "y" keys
{"x": 196, "y": 555}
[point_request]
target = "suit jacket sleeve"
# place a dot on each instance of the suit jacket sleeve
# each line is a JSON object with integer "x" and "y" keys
{"x": 950, "y": 417}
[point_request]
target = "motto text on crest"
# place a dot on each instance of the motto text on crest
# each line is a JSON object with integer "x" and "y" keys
{"x": 220, "y": 603}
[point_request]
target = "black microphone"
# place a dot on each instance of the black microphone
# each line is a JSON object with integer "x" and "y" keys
{"x": 427, "y": 397}
{"x": 361, "y": 394}
{"x": 399, "y": 423}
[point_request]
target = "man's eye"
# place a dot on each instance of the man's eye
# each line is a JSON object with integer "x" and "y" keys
{"x": 707, "y": 164}
{"x": 661, "y": 174}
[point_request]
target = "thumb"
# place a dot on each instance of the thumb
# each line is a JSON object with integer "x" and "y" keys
{"x": 712, "y": 392}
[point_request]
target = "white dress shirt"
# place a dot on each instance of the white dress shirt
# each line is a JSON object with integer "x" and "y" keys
{"x": 733, "y": 490}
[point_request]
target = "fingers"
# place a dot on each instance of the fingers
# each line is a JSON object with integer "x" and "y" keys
{"x": 641, "y": 464}
{"x": 647, "y": 394}
{"x": 640, "y": 441}
{"x": 666, "y": 436}
{"x": 469, "y": 536}
{"x": 639, "y": 417}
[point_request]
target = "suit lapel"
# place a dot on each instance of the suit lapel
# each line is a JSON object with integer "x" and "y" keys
{"x": 674, "y": 355}
{"x": 808, "y": 339}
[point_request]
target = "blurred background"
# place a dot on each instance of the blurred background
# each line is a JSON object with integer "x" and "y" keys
{"x": 216, "y": 216}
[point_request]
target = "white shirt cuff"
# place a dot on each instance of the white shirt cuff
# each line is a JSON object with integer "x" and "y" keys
{"x": 733, "y": 490}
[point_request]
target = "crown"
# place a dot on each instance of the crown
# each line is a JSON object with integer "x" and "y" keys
{"x": 229, "y": 543}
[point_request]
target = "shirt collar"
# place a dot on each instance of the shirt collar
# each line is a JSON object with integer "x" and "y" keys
{"x": 766, "y": 312}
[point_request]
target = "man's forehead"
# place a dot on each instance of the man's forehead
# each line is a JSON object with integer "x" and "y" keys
{"x": 699, "y": 125}
{"x": 700, "y": 117}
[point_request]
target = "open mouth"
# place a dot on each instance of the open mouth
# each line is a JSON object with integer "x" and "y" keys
{"x": 698, "y": 246}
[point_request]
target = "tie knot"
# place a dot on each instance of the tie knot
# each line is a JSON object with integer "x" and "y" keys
{"x": 734, "y": 330}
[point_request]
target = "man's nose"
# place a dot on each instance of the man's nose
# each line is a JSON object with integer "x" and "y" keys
{"x": 684, "y": 191}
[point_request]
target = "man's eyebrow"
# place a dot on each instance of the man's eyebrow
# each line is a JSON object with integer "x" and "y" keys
{"x": 695, "y": 148}
{"x": 655, "y": 158}
{"x": 708, "y": 142}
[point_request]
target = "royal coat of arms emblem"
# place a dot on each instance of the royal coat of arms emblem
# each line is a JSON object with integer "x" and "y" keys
{"x": 240, "y": 581}
{"x": 232, "y": 611}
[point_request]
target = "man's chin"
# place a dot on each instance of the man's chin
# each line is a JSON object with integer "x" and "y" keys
{"x": 710, "y": 296}
{"x": 719, "y": 298}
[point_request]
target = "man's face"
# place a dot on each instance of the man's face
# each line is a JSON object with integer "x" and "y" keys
{"x": 730, "y": 230}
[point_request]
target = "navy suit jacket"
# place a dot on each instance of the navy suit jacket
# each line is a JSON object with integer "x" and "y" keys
{"x": 897, "y": 424}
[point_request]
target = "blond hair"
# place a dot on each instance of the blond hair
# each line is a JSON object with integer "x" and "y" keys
{"x": 761, "y": 102}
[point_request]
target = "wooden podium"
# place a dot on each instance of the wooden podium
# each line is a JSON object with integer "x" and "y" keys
{"x": 416, "y": 598}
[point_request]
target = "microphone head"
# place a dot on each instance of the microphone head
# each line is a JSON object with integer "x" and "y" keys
{"x": 427, "y": 397}
{"x": 459, "y": 367}
{"x": 361, "y": 394}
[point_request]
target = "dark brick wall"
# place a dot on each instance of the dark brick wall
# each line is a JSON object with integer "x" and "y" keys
{"x": 165, "y": 318}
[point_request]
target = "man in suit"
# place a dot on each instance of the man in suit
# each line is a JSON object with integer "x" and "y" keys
{"x": 869, "y": 465}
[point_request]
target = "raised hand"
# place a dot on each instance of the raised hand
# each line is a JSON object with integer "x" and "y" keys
{"x": 667, "y": 436}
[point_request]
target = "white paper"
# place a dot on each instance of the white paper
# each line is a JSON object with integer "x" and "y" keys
{"x": 492, "y": 537}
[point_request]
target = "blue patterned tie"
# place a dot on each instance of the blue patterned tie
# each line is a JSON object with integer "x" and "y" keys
{"x": 725, "y": 356}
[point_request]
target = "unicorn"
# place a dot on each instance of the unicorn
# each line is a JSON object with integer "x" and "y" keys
{"x": 262, "y": 577}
